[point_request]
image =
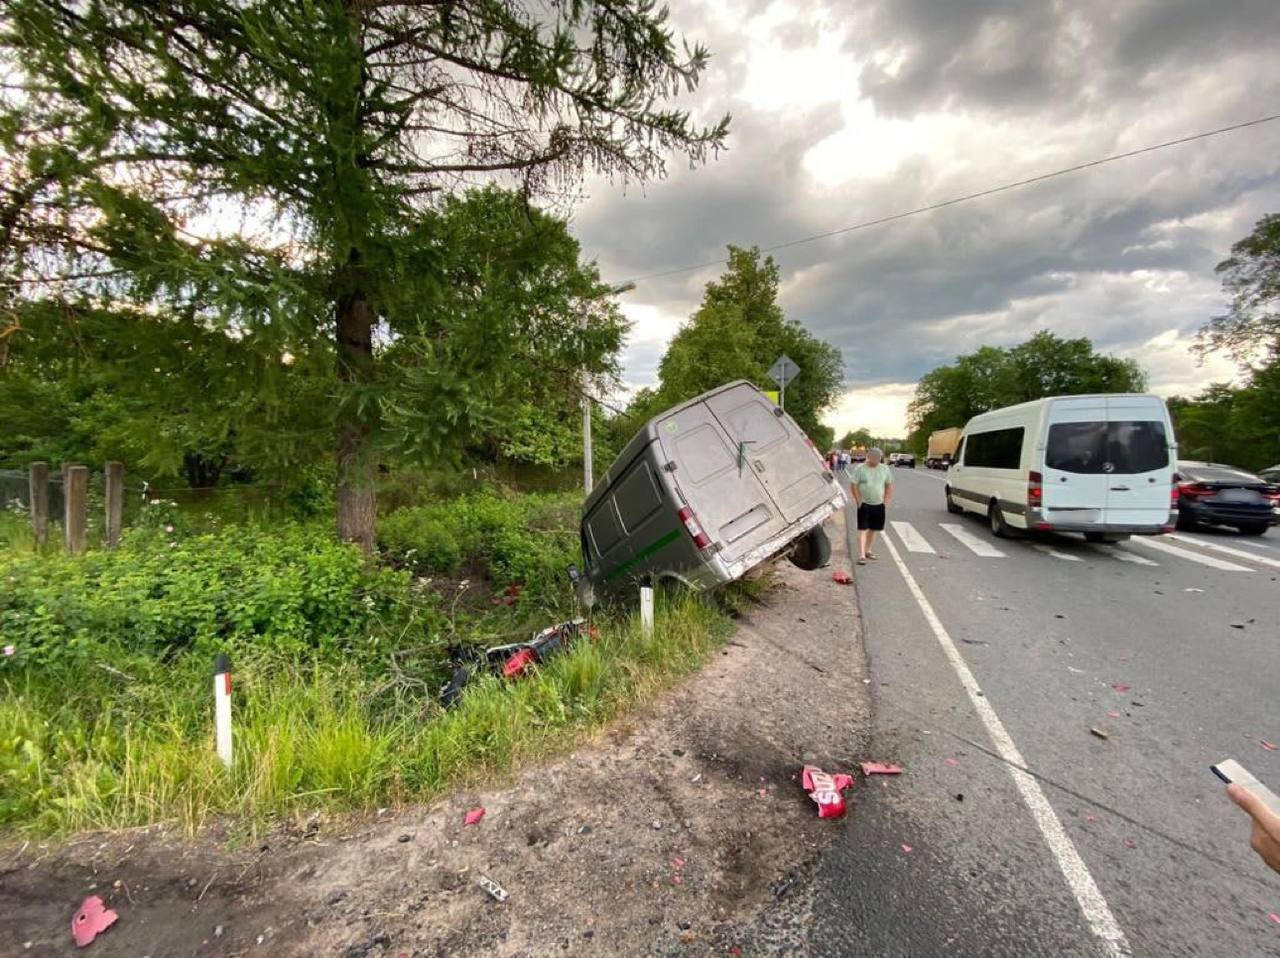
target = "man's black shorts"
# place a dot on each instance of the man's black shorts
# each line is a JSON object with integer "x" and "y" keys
{"x": 871, "y": 517}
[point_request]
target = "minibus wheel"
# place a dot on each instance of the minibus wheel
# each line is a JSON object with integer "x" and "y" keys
{"x": 999, "y": 528}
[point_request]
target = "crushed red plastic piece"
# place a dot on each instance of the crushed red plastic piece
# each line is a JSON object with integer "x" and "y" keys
{"x": 519, "y": 663}
{"x": 1090, "y": 818}
{"x": 842, "y": 577}
{"x": 1274, "y": 917}
{"x": 1269, "y": 746}
{"x": 907, "y": 849}
{"x": 474, "y": 816}
{"x": 1130, "y": 843}
{"x": 91, "y": 920}
{"x": 1121, "y": 686}
{"x": 881, "y": 768}
{"x": 825, "y": 790}
{"x": 950, "y": 761}
{"x": 1113, "y": 715}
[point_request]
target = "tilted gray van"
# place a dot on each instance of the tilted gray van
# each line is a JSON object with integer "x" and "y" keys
{"x": 705, "y": 492}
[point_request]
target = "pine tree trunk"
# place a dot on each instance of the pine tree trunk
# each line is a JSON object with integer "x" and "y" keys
{"x": 357, "y": 464}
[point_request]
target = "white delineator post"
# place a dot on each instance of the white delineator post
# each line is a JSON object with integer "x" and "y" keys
{"x": 222, "y": 707}
{"x": 646, "y": 609}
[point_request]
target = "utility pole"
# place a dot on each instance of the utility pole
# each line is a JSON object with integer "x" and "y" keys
{"x": 588, "y": 474}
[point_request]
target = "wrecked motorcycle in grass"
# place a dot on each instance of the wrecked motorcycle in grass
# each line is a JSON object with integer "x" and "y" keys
{"x": 515, "y": 659}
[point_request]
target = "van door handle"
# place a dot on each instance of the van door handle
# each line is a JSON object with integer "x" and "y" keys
{"x": 1119, "y": 488}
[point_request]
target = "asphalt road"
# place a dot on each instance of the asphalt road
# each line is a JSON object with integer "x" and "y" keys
{"x": 1109, "y": 846}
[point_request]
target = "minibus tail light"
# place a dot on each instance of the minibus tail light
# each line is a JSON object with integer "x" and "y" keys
{"x": 1035, "y": 490}
{"x": 693, "y": 527}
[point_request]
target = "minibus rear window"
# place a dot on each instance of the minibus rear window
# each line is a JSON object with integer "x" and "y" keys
{"x": 1122, "y": 446}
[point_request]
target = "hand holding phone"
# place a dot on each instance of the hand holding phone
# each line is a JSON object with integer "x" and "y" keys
{"x": 1262, "y": 805}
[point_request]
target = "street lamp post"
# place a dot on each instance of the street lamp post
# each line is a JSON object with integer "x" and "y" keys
{"x": 588, "y": 474}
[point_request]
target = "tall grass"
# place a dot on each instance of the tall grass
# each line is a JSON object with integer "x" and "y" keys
{"x": 125, "y": 751}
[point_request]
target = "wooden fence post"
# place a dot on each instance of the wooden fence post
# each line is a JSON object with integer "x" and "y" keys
{"x": 115, "y": 503}
{"x": 38, "y": 486}
{"x": 76, "y": 494}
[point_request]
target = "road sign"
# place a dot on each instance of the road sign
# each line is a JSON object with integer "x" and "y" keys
{"x": 783, "y": 370}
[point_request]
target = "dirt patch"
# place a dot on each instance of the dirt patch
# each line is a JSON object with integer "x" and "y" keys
{"x": 682, "y": 830}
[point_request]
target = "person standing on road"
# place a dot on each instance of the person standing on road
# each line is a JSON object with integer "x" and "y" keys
{"x": 871, "y": 483}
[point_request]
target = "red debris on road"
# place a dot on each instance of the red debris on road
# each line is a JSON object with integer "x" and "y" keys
{"x": 92, "y": 918}
{"x": 825, "y": 788}
{"x": 1269, "y": 746}
{"x": 881, "y": 768}
{"x": 842, "y": 577}
{"x": 1121, "y": 686}
{"x": 473, "y": 816}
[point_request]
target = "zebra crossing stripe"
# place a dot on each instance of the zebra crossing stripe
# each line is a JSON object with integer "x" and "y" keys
{"x": 912, "y": 539}
{"x": 1050, "y": 550}
{"x": 975, "y": 545}
{"x": 1225, "y": 550}
{"x": 1150, "y": 542}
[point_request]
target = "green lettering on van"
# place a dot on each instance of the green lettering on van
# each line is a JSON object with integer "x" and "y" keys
{"x": 650, "y": 549}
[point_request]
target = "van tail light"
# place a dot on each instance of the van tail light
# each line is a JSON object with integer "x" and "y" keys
{"x": 1174, "y": 495}
{"x": 693, "y": 527}
{"x": 1193, "y": 490}
{"x": 1035, "y": 490}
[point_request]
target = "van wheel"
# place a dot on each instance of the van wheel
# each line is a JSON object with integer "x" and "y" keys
{"x": 999, "y": 528}
{"x": 812, "y": 551}
{"x": 1255, "y": 529}
{"x": 952, "y": 506}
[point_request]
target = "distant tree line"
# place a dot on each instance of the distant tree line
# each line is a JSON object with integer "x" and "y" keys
{"x": 992, "y": 377}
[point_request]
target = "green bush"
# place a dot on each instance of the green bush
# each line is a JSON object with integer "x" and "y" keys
{"x": 291, "y": 588}
{"x": 421, "y": 540}
{"x": 525, "y": 540}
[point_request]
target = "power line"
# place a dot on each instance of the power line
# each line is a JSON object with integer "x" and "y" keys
{"x": 973, "y": 196}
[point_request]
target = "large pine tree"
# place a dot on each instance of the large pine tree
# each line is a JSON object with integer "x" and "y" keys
{"x": 266, "y": 164}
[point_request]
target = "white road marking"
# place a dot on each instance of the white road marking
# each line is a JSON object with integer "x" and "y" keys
{"x": 1226, "y": 550}
{"x": 1152, "y": 543}
{"x": 912, "y": 539}
{"x": 1124, "y": 556}
{"x": 1093, "y": 906}
{"x": 973, "y": 543}
{"x": 1050, "y": 550}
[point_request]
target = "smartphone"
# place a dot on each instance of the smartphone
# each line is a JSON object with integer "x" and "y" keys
{"x": 1232, "y": 772}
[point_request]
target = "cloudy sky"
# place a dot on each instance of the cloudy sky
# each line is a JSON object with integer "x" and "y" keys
{"x": 854, "y": 110}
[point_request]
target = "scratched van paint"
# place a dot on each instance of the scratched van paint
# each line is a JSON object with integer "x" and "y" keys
{"x": 705, "y": 492}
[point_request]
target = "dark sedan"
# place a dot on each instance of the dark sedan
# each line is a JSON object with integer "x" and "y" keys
{"x": 1213, "y": 494}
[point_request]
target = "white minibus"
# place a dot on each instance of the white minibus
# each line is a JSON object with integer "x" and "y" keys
{"x": 1100, "y": 465}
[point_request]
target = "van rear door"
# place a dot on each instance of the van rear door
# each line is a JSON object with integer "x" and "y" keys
{"x": 1139, "y": 462}
{"x": 726, "y": 495}
{"x": 773, "y": 448}
{"x": 1075, "y": 486}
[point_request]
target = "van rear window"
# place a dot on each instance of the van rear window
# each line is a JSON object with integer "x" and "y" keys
{"x": 997, "y": 449}
{"x": 1121, "y": 446}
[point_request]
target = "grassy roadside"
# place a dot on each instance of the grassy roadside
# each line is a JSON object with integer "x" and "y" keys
{"x": 313, "y": 736}
{"x": 105, "y": 712}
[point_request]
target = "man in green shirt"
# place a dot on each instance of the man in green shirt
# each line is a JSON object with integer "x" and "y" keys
{"x": 872, "y": 487}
